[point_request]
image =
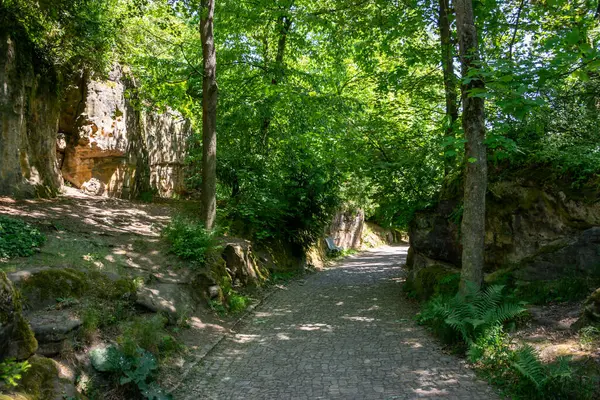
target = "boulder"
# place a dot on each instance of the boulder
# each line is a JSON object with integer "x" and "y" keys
{"x": 16, "y": 337}
{"x": 591, "y": 311}
{"x": 53, "y": 330}
{"x": 172, "y": 299}
{"x": 41, "y": 287}
{"x": 42, "y": 382}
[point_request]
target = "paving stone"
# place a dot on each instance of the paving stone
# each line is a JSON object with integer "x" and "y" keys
{"x": 344, "y": 333}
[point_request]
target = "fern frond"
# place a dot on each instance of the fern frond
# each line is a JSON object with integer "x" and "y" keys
{"x": 529, "y": 365}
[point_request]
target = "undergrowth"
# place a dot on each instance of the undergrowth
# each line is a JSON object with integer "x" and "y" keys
{"x": 190, "y": 240}
{"x": 18, "y": 238}
{"x": 134, "y": 361}
{"x": 475, "y": 323}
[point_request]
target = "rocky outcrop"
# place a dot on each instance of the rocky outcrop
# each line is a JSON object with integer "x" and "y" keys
{"x": 241, "y": 264}
{"x": 97, "y": 135}
{"x": 544, "y": 233}
{"x": 125, "y": 150}
{"x": 29, "y": 111}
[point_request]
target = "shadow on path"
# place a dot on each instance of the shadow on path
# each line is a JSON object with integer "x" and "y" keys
{"x": 345, "y": 333}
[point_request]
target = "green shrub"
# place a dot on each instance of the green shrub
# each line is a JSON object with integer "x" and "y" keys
{"x": 12, "y": 371}
{"x": 137, "y": 370}
{"x": 558, "y": 290}
{"x": 148, "y": 334}
{"x": 189, "y": 240}
{"x": 237, "y": 302}
{"x": 18, "y": 238}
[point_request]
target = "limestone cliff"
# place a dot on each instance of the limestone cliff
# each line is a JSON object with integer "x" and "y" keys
{"x": 543, "y": 230}
{"x": 128, "y": 149}
{"x": 87, "y": 127}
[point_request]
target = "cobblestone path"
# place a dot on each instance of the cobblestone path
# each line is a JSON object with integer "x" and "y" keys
{"x": 344, "y": 333}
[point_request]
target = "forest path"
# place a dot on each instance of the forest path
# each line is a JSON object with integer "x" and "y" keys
{"x": 344, "y": 333}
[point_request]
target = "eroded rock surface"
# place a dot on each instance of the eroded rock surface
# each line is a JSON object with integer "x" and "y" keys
{"x": 546, "y": 233}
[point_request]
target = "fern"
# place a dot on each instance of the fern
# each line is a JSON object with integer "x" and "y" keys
{"x": 471, "y": 314}
{"x": 529, "y": 366}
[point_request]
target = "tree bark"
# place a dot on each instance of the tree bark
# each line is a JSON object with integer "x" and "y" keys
{"x": 209, "y": 115}
{"x": 449, "y": 79}
{"x": 284, "y": 25}
{"x": 473, "y": 121}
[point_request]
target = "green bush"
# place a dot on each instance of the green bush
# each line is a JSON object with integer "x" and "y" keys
{"x": 190, "y": 240}
{"x": 476, "y": 322}
{"x": 18, "y": 238}
{"x": 149, "y": 334}
{"x": 137, "y": 370}
{"x": 12, "y": 371}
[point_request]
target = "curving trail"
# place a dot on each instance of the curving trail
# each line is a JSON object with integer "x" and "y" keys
{"x": 344, "y": 333}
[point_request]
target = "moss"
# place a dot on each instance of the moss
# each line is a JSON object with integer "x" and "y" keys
{"x": 23, "y": 338}
{"x": 39, "y": 382}
{"x": 10, "y": 300}
{"x": 103, "y": 287}
{"x": 435, "y": 279}
{"x": 54, "y": 283}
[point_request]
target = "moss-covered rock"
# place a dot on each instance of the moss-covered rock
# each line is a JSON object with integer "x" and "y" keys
{"x": 41, "y": 382}
{"x": 591, "y": 308}
{"x": 42, "y": 288}
{"x": 16, "y": 338}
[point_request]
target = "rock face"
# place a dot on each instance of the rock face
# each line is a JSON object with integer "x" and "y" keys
{"x": 112, "y": 146}
{"x": 94, "y": 137}
{"x": 546, "y": 233}
{"x": 29, "y": 111}
{"x": 347, "y": 229}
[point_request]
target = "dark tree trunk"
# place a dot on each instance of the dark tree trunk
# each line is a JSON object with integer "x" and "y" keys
{"x": 209, "y": 116}
{"x": 449, "y": 79}
{"x": 473, "y": 121}
{"x": 284, "y": 25}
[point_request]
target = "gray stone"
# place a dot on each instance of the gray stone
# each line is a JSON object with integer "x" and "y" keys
{"x": 174, "y": 300}
{"x": 53, "y": 329}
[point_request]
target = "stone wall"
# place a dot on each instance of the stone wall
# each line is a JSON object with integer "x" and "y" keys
{"x": 93, "y": 133}
{"x": 544, "y": 232}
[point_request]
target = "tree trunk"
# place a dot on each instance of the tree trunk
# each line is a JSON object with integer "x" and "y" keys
{"x": 473, "y": 121}
{"x": 449, "y": 79}
{"x": 209, "y": 116}
{"x": 284, "y": 25}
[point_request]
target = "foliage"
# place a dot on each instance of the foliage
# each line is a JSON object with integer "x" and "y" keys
{"x": 476, "y": 321}
{"x": 149, "y": 334}
{"x": 18, "y": 238}
{"x": 134, "y": 360}
{"x": 466, "y": 317}
{"x": 12, "y": 371}
{"x": 137, "y": 369}
{"x": 189, "y": 240}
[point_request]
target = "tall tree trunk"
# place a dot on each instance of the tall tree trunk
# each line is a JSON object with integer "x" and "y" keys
{"x": 284, "y": 24}
{"x": 449, "y": 79}
{"x": 473, "y": 121}
{"x": 209, "y": 116}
